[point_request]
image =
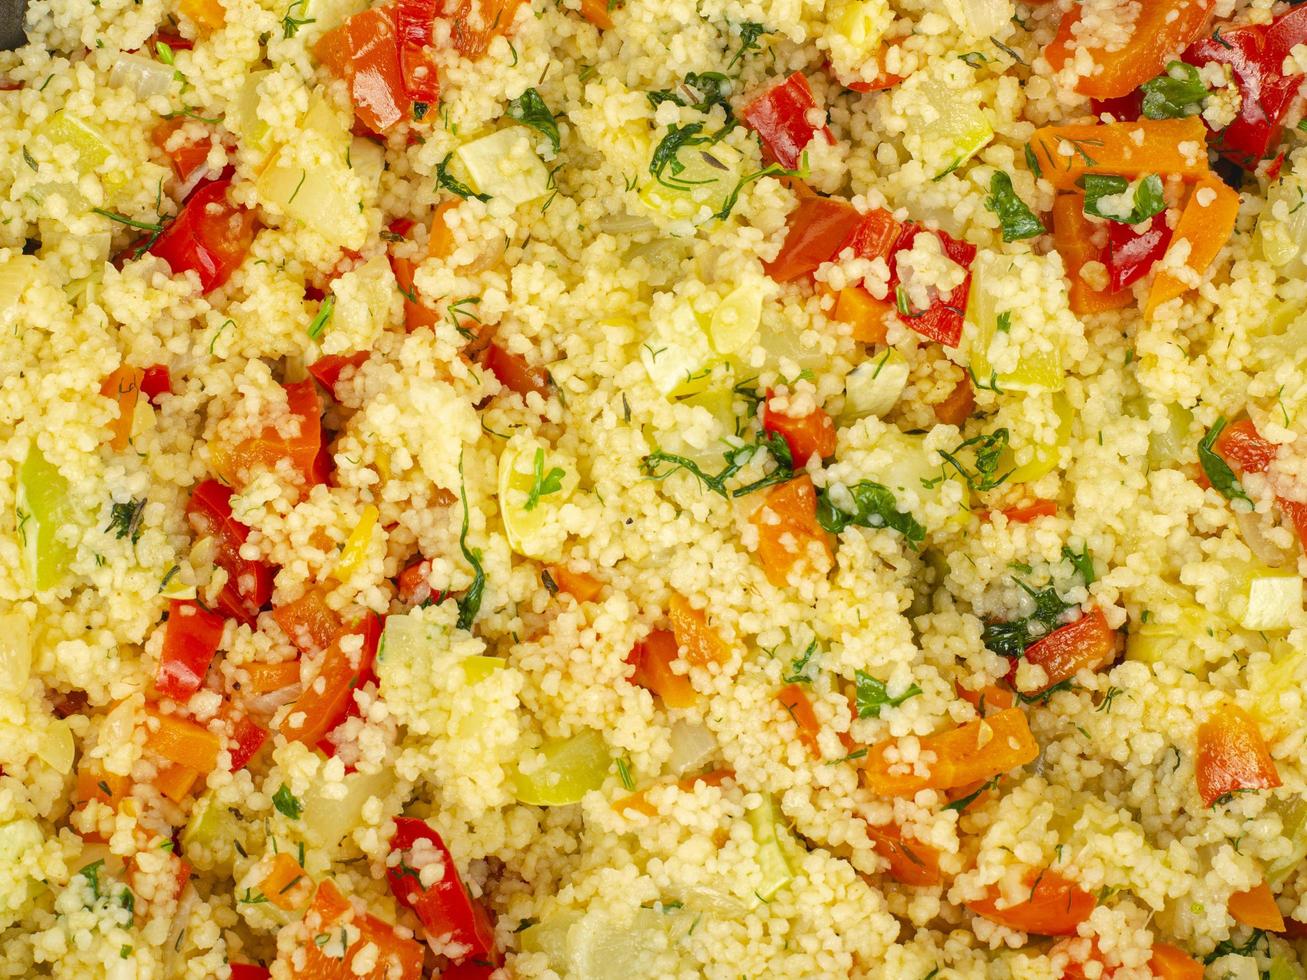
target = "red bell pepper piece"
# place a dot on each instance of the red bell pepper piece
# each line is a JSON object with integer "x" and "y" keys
{"x": 328, "y": 368}
{"x": 371, "y": 629}
{"x": 302, "y": 450}
{"x": 329, "y": 698}
{"x": 1055, "y": 907}
{"x": 444, "y": 908}
{"x": 365, "y": 52}
{"x": 942, "y": 320}
{"x": 190, "y": 641}
{"x": 822, "y": 227}
{"x": 414, "y": 20}
{"x": 1130, "y": 256}
{"x": 245, "y": 740}
{"x": 514, "y": 373}
{"x": 1232, "y": 755}
{"x": 210, "y": 237}
{"x": 782, "y": 118}
{"x": 1087, "y": 643}
{"x": 186, "y": 158}
{"x": 811, "y": 435}
{"x": 1242, "y": 446}
{"x": 249, "y": 582}
{"x": 155, "y": 382}
{"x": 248, "y": 971}
{"x": 412, "y": 583}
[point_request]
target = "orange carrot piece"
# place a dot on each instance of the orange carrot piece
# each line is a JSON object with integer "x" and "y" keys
{"x": 124, "y": 387}
{"x": 94, "y": 783}
{"x": 958, "y": 405}
{"x": 181, "y": 741}
{"x": 1055, "y": 907}
{"x": 640, "y": 801}
{"x": 787, "y": 526}
{"x": 309, "y": 622}
{"x": 702, "y": 644}
{"x": 596, "y": 12}
{"x": 978, "y": 750}
{"x": 581, "y": 586}
{"x": 795, "y": 701}
{"x": 440, "y": 241}
{"x": 988, "y": 699}
{"x": 910, "y": 861}
{"x": 286, "y": 885}
{"x": 265, "y": 678}
{"x": 1205, "y": 225}
{"x": 175, "y": 781}
{"x": 1256, "y": 909}
{"x": 1072, "y": 237}
{"x": 1172, "y": 963}
{"x": 866, "y": 314}
{"x": 389, "y": 955}
{"x": 1127, "y": 149}
{"x": 652, "y": 658}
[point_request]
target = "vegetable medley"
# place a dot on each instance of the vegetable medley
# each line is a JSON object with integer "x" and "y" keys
{"x": 621, "y": 488}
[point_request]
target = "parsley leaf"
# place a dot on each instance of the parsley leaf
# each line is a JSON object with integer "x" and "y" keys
{"x": 287, "y": 803}
{"x": 804, "y": 667}
{"x": 542, "y": 483}
{"x": 874, "y": 506}
{"x": 961, "y": 803}
{"x": 125, "y": 519}
{"x": 665, "y": 165}
{"x": 291, "y": 24}
{"x": 1218, "y": 471}
{"x": 986, "y": 453}
{"x": 1017, "y": 220}
{"x": 1083, "y": 562}
{"x": 709, "y": 88}
{"x": 452, "y": 184}
{"x": 872, "y": 695}
{"x": 736, "y": 459}
{"x": 1012, "y": 637}
{"x": 530, "y": 110}
{"x": 1148, "y": 199}
{"x": 92, "y": 875}
{"x": 1177, "y": 92}
{"x": 750, "y": 31}
{"x": 322, "y": 317}
{"x": 470, "y": 604}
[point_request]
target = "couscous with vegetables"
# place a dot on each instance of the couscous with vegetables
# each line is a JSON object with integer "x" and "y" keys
{"x": 805, "y": 488}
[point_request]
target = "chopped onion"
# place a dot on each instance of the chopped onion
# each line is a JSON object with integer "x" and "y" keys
{"x": 1266, "y": 551}
{"x": 624, "y": 224}
{"x": 981, "y": 18}
{"x": 692, "y": 746}
{"x": 15, "y": 651}
{"x": 144, "y": 76}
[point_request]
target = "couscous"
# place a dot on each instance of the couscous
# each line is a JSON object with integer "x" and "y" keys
{"x": 803, "y": 488}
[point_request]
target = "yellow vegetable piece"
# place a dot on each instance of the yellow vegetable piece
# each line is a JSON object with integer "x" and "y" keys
{"x": 356, "y": 546}
{"x": 42, "y": 508}
{"x": 573, "y": 767}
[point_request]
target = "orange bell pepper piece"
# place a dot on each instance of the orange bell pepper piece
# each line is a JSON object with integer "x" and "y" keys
{"x": 175, "y": 781}
{"x": 94, "y": 783}
{"x": 514, "y": 373}
{"x": 124, "y": 387}
{"x": 958, "y": 405}
{"x": 234, "y": 463}
{"x": 1205, "y": 225}
{"x": 806, "y": 436}
{"x": 701, "y": 643}
{"x": 1172, "y": 963}
{"x": 975, "y": 751}
{"x": 862, "y": 311}
{"x": 1055, "y": 906}
{"x": 1256, "y": 909}
{"x": 988, "y": 699}
{"x": 652, "y": 658}
{"x": 391, "y": 956}
{"x": 1162, "y": 28}
{"x": 1087, "y": 643}
{"x": 1127, "y": 149}
{"x": 180, "y": 741}
{"x": 1232, "y": 755}
{"x": 581, "y": 586}
{"x": 787, "y": 528}
{"x": 265, "y": 678}
{"x": 1072, "y": 234}
{"x": 795, "y": 701}
{"x": 639, "y": 802}
{"x": 596, "y": 12}
{"x": 475, "y": 23}
{"x": 208, "y": 15}
{"x": 910, "y": 861}
{"x": 286, "y": 885}
{"x": 309, "y": 622}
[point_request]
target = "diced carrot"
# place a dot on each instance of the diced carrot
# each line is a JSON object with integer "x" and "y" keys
{"x": 286, "y": 885}
{"x": 975, "y": 751}
{"x": 389, "y": 955}
{"x": 94, "y": 783}
{"x": 1088, "y": 643}
{"x": 652, "y": 658}
{"x": 265, "y": 678}
{"x": 1232, "y": 755}
{"x": 786, "y": 522}
{"x": 309, "y": 622}
{"x": 866, "y": 314}
{"x": 208, "y": 15}
{"x": 440, "y": 241}
{"x": 883, "y": 80}
{"x": 1072, "y": 237}
{"x": 1067, "y": 153}
{"x": 910, "y": 861}
{"x": 175, "y": 781}
{"x": 806, "y": 436}
{"x": 795, "y": 701}
{"x": 1206, "y": 224}
{"x": 475, "y": 23}
{"x": 416, "y": 314}
{"x": 958, "y": 405}
{"x": 180, "y": 741}
{"x": 1172, "y": 963}
{"x": 514, "y": 373}
{"x": 597, "y": 13}
{"x": 988, "y": 699}
{"x": 1162, "y": 28}
{"x": 1256, "y": 909}
{"x": 124, "y": 387}
{"x": 1055, "y": 906}
{"x": 701, "y": 643}
{"x": 581, "y": 586}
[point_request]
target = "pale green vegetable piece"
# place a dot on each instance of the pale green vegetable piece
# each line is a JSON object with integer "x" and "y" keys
{"x": 773, "y": 861}
{"x": 1267, "y": 598}
{"x": 678, "y": 355}
{"x": 504, "y": 166}
{"x": 572, "y": 767}
{"x": 534, "y": 530}
{"x": 1046, "y": 454}
{"x": 1037, "y": 370}
{"x": 42, "y": 507}
{"x": 477, "y": 668}
{"x": 735, "y": 320}
{"x": 710, "y": 173}
{"x": 874, "y": 386}
{"x": 91, "y": 147}
{"x": 1293, "y": 815}
{"x": 946, "y": 124}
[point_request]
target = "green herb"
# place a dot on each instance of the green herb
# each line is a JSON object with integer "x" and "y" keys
{"x": 874, "y": 506}
{"x": 1148, "y": 200}
{"x": 456, "y": 310}
{"x": 736, "y": 459}
{"x": 168, "y": 576}
{"x": 624, "y": 771}
{"x": 548, "y": 582}
{"x": 1112, "y": 694}
{"x": 252, "y": 898}
{"x": 452, "y": 184}
{"x": 530, "y": 110}
{"x": 295, "y": 193}
{"x": 92, "y": 875}
{"x": 164, "y": 52}
{"x": 962, "y": 803}
{"x": 708, "y": 88}
{"x": 872, "y": 695}
{"x": 1041, "y": 697}
{"x": 420, "y": 110}
{"x": 542, "y": 483}
{"x": 124, "y": 952}
{"x": 188, "y": 112}
{"x": 1011, "y": 638}
{"x": 125, "y": 519}
{"x": 973, "y": 59}
{"x": 750, "y": 31}
{"x": 323, "y": 317}
{"x": 1004, "y": 321}
{"x": 1016, "y": 219}
{"x": 1218, "y": 471}
{"x": 1177, "y": 92}
{"x": 987, "y": 452}
{"x": 290, "y": 24}
{"x": 122, "y": 219}
{"x": 803, "y": 669}
{"x": 1032, "y": 162}
{"x": 1007, "y": 51}
{"x": 1227, "y": 947}
{"x": 851, "y": 757}
{"x": 104, "y": 788}
{"x": 127, "y": 899}
{"x": 665, "y": 165}
{"x": 525, "y": 924}
{"x": 27, "y": 157}
{"x": 287, "y": 803}
{"x": 470, "y": 604}
{"x": 771, "y": 170}
{"x": 1083, "y": 562}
